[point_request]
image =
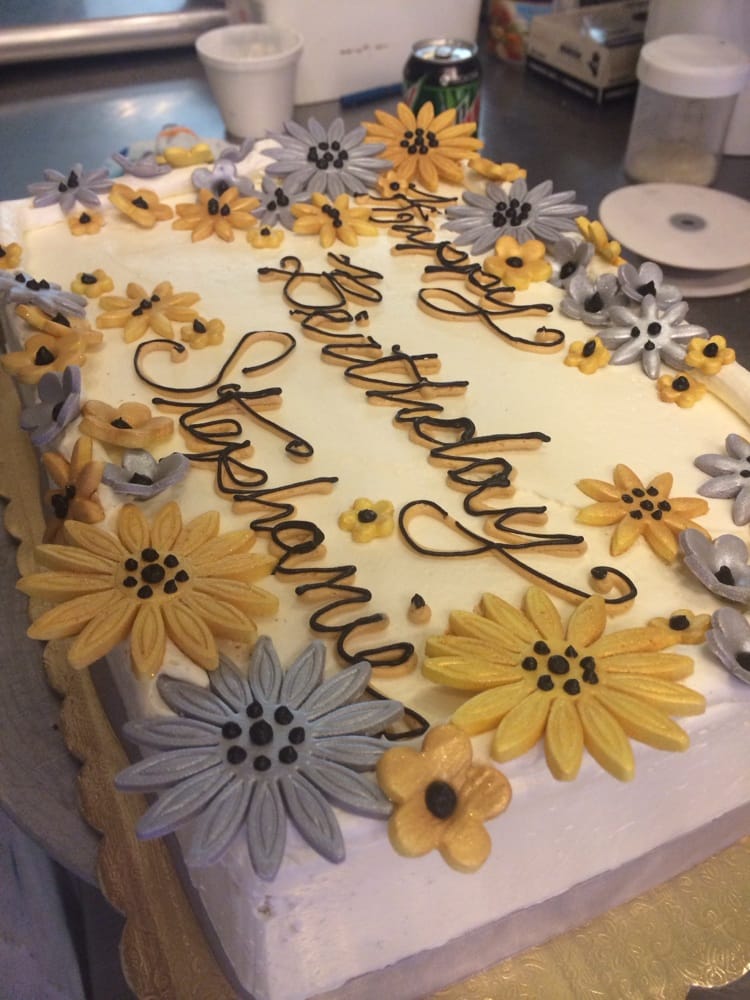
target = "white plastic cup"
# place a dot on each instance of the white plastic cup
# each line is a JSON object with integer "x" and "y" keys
{"x": 251, "y": 70}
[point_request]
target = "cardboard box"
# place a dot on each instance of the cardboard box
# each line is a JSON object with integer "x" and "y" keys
{"x": 355, "y": 46}
{"x": 593, "y": 50}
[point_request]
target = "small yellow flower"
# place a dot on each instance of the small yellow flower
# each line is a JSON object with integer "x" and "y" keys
{"x": 518, "y": 264}
{"x": 595, "y": 233}
{"x": 59, "y": 326}
{"x": 425, "y": 147}
{"x": 217, "y": 216}
{"x": 496, "y": 171}
{"x": 141, "y": 206}
{"x": 92, "y": 284}
{"x": 366, "y": 520}
{"x": 683, "y": 627}
{"x": 333, "y": 220}
{"x": 130, "y": 425}
{"x": 85, "y": 223}
{"x": 709, "y": 356}
{"x": 203, "y": 332}
{"x": 442, "y": 799}
{"x": 74, "y": 497}
{"x": 265, "y": 238}
{"x": 43, "y": 353}
{"x": 10, "y": 256}
{"x": 639, "y": 510}
{"x": 391, "y": 185}
{"x": 139, "y": 311}
{"x": 588, "y": 356}
{"x": 680, "y": 389}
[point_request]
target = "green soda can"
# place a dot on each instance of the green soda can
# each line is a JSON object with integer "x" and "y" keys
{"x": 445, "y": 71}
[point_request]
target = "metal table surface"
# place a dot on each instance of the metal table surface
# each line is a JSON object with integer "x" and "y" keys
{"x": 61, "y": 113}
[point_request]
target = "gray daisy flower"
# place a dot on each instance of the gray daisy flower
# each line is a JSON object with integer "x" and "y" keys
{"x": 145, "y": 166}
{"x": 649, "y": 334}
{"x": 591, "y": 299}
{"x": 730, "y": 476}
{"x": 729, "y": 640}
{"x": 275, "y": 202}
{"x": 332, "y": 161}
{"x": 20, "y": 288}
{"x": 721, "y": 565}
{"x": 648, "y": 279}
{"x": 59, "y": 403}
{"x": 512, "y": 211}
{"x": 78, "y": 186}
{"x": 248, "y": 752}
{"x": 142, "y": 477}
{"x": 568, "y": 256}
{"x": 221, "y": 176}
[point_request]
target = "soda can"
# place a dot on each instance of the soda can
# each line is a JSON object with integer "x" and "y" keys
{"x": 447, "y": 72}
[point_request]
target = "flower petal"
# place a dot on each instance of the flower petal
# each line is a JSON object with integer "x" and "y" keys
{"x": 303, "y": 676}
{"x": 563, "y": 739}
{"x": 484, "y": 711}
{"x": 265, "y": 671}
{"x": 266, "y": 829}
{"x": 347, "y": 789}
{"x": 522, "y": 727}
{"x": 313, "y": 817}
{"x": 190, "y": 634}
{"x": 193, "y": 701}
{"x": 605, "y": 739}
{"x": 161, "y": 770}
{"x": 179, "y": 804}
{"x": 642, "y": 721}
{"x": 214, "y": 831}
{"x": 466, "y": 845}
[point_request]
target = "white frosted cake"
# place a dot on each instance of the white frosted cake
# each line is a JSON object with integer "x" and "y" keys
{"x": 490, "y": 496}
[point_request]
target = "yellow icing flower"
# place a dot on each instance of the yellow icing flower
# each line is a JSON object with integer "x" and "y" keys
{"x": 139, "y": 311}
{"x": 92, "y": 284}
{"x": 217, "y": 216}
{"x": 442, "y": 799}
{"x": 74, "y": 497}
{"x": 59, "y": 326}
{"x": 265, "y": 238}
{"x": 86, "y": 223}
{"x": 150, "y": 583}
{"x": 680, "y": 389}
{"x": 595, "y": 233}
{"x": 425, "y": 147}
{"x": 571, "y": 685}
{"x": 683, "y": 627}
{"x": 366, "y": 520}
{"x": 588, "y": 356}
{"x": 518, "y": 264}
{"x": 141, "y": 206}
{"x": 496, "y": 171}
{"x": 129, "y": 425}
{"x": 709, "y": 356}
{"x": 43, "y": 353}
{"x": 203, "y": 332}
{"x": 333, "y": 220}
{"x": 391, "y": 185}
{"x": 639, "y": 510}
{"x": 10, "y": 256}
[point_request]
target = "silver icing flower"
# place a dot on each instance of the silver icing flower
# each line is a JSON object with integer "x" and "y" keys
{"x": 720, "y": 565}
{"x": 79, "y": 186}
{"x": 729, "y": 640}
{"x": 276, "y": 200}
{"x": 59, "y": 403}
{"x": 591, "y": 300}
{"x": 221, "y": 176}
{"x": 332, "y": 161}
{"x": 648, "y": 279}
{"x": 730, "y": 476}
{"x": 20, "y": 288}
{"x": 568, "y": 256}
{"x": 512, "y": 211}
{"x": 141, "y": 476}
{"x": 649, "y": 334}
{"x": 248, "y": 752}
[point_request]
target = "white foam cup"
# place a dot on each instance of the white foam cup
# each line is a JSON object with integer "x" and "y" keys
{"x": 251, "y": 70}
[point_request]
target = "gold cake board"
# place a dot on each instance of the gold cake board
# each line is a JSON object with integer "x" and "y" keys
{"x": 692, "y": 930}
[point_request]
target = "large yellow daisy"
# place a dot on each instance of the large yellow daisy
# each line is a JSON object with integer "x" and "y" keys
{"x": 576, "y": 687}
{"x": 150, "y": 582}
{"x": 425, "y": 147}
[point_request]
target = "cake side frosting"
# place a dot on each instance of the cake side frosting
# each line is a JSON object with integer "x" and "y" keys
{"x": 547, "y": 422}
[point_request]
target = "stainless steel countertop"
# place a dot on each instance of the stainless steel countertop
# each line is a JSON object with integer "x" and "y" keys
{"x": 61, "y": 113}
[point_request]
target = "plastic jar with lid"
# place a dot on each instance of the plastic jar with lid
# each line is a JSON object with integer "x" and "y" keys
{"x": 687, "y": 88}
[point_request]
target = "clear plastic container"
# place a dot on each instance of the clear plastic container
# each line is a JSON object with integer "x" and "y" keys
{"x": 688, "y": 85}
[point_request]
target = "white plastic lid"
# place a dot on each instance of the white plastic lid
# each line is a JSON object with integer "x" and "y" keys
{"x": 693, "y": 66}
